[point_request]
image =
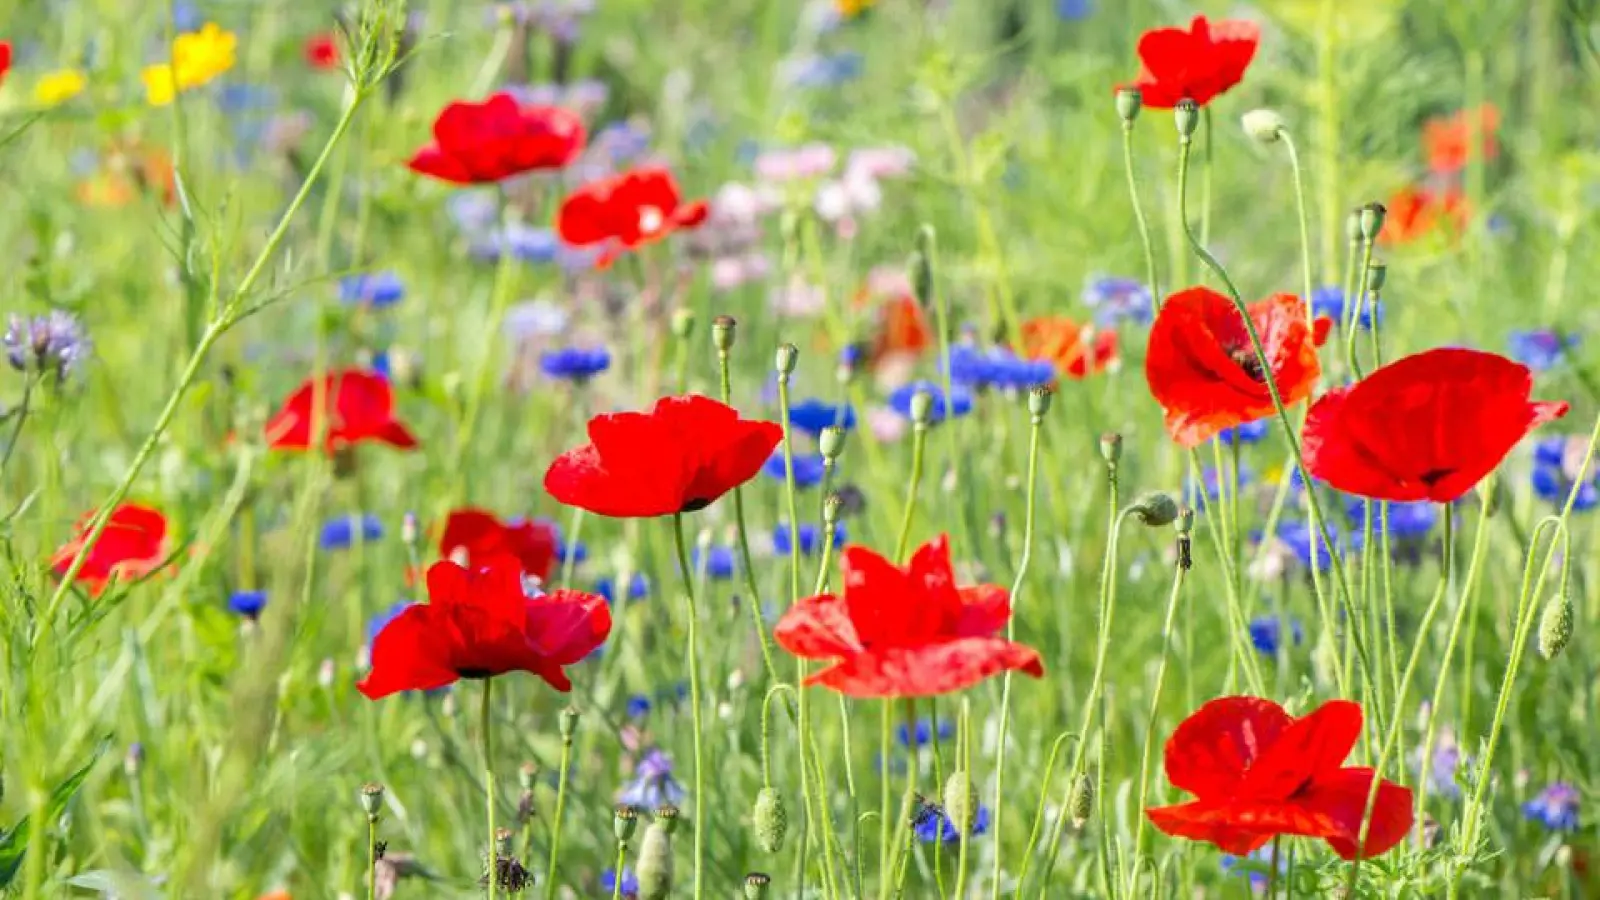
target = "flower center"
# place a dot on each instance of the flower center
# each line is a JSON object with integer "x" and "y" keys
{"x": 474, "y": 673}
{"x": 694, "y": 504}
{"x": 650, "y": 220}
{"x": 1246, "y": 359}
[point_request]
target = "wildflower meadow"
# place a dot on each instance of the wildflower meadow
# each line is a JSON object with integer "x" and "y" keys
{"x": 816, "y": 449}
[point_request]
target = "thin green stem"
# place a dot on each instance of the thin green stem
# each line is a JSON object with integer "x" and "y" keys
{"x": 746, "y": 561}
{"x": 964, "y": 749}
{"x": 1138, "y": 214}
{"x": 561, "y": 808}
{"x": 1358, "y": 305}
{"x": 1179, "y": 573}
{"x": 694, "y": 700}
{"x": 899, "y": 852}
{"x": 1305, "y": 221}
{"x": 919, "y": 440}
{"x": 622, "y": 859}
{"x": 1272, "y": 867}
{"x": 486, "y": 735}
{"x": 372, "y": 857}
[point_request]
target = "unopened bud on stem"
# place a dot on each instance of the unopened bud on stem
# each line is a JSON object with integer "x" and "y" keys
{"x": 1186, "y": 115}
{"x": 1129, "y": 102}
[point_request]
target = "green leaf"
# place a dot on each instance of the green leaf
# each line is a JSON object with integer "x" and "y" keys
{"x": 14, "y": 841}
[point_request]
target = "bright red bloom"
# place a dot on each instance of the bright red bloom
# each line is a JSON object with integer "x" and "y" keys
{"x": 322, "y": 51}
{"x": 678, "y": 457}
{"x": 479, "y": 143}
{"x": 5, "y": 59}
{"x": 360, "y": 407}
{"x": 472, "y": 537}
{"x": 1203, "y": 370}
{"x": 1426, "y": 427}
{"x": 1415, "y": 213}
{"x": 1258, "y": 772}
{"x": 626, "y": 211}
{"x": 905, "y": 632}
{"x": 133, "y": 544}
{"x": 1448, "y": 139}
{"x": 479, "y": 623}
{"x": 1077, "y": 351}
{"x": 1195, "y": 64}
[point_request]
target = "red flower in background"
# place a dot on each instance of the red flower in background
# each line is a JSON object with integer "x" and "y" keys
{"x": 480, "y": 143}
{"x": 905, "y": 632}
{"x": 322, "y": 51}
{"x": 626, "y": 211}
{"x": 1195, "y": 64}
{"x": 472, "y": 537}
{"x": 1077, "y": 351}
{"x": 1257, "y": 772}
{"x": 1426, "y": 427}
{"x": 132, "y": 545}
{"x": 5, "y": 59}
{"x": 1448, "y": 139}
{"x": 1414, "y": 213}
{"x": 478, "y": 623}
{"x": 679, "y": 457}
{"x": 359, "y": 406}
{"x": 1203, "y": 370}
{"x": 902, "y": 329}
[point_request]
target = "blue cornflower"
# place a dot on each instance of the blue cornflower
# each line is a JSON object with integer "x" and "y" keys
{"x": 238, "y": 98}
{"x": 1074, "y": 10}
{"x": 375, "y": 289}
{"x": 808, "y": 469}
{"x": 931, "y": 824}
{"x": 1541, "y": 349}
{"x": 186, "y": 16}
{"x": 1118, "y": 300}
{"x": 960, "y": 400}
{"x": 1329, "y": 301}
{"x": 653, "y": 785}
{"x": 1551, "y": 484}
{"x": 1266, "y": 634}
{"x": 1297, "y": 536}
{"x": 1556, "y": 807}
{"x": 622, "y": 142}
{"x": 811, "y": 416}
{"x": 996, "y": 368}
{"x": 247, "y": 603}
{"x": 1550, "y": 451}
{"x": 638, "y": 706}
{"x": 638, "y": 588}
{"x": 1248, "y": 433}
{"x": 337, "y": 534}
{"x": 923, "y": 733}
{"x": 810, "y": 538}
{"x": 575, "y": 363}
{"x": 1406, "y": 520}
{"x": 1446, "y": 759}
{"x": 525, "y": 243}
{"x": 630, "y": 883}
{"x": 852, "y": 355}
{"x": 719, "y": 563}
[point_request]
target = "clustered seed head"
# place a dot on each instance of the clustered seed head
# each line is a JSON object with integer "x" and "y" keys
{"x": 1376, "y": 276}
{"x": 1555, "y": 626}
{"x": 1372, "y": 216}
{"x": 921, "y": 408}
{"x": 1155, "y": 509}
{"x": 1111, "y": 447}
{"x": 1039, "y": 397}
{"x": 623, "y": 822}
{"x": 771, "y": 820}
{"x": 1186, "y": 115}
{"x": 1080, "y": 805}
{"x": 831, "y": 507}
{"x": 831, "y": 442}
{"x": 755, "y": 885}
{"x": 960, "y": 800}
{"x": 372, "y": 800}
{"x": 1263, "y": 125}
{"x": 654, "y": 868}
{"x": 722, "y": 333}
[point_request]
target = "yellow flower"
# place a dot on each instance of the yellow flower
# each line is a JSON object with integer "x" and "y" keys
{"x": 197, "y": 58}
{"x": 159, "y": 85}
{"x": 849, "y": 9}
{"x": 56, "y": 88}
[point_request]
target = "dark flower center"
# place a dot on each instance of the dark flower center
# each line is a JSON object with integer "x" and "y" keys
{"x": 1434, "y": 476}
{"x": 476, "y": 674}
{"x": 695, "y": 504}
{"x": 1247, "y": 360}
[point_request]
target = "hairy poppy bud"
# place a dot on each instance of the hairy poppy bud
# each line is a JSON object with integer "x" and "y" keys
{"x": 1555, "y": 626}
{"x": 1111, "y": 447}
{"x": 921, "y": 408}
{"x": 722, "y": 333}
{"x": 1263, "y": 125}
{"x": 1080, "y": 805}
{"x": 1376, "y": 276}
{"x": 526, "y": 773}
{"x": 771, "y": 820}
{"x": 831, "y": 442}
{"x": 1352, "y": 226}
{"x": 1129, "y": 102}
{"x": 1039, "y": 397}
{"x": 1372, "y": 216}
{"x": 920, "y": 269}
{"x": 682, "y": 323}
{"x": 654, "y": 868}
{"x": 1156, "y": 509}
{"x": 831, "y": 508}
{"x": 623, "y": 822}
{"x": 755, "y": 885}
{"x": 1186, "y": 115}
{"x": 569, "y": 723}
{"x": 960, "y": 800}
{"x": 372, "y": 800}
{"x": 787, "y": 358}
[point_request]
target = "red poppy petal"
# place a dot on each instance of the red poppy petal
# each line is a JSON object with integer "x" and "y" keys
{"x": 1320, "y": 329}
{"x": 690, "y": 215}
{"x": 434, "y": 162}
{"x": 581, "y": 478}
{"x": 876, "y": 594}
{"x": 474, "y": 530}
{"x": 1198, "y": 821}
{"x": 565, "y": 626}
{"x": 1332, "y": 457}
{"x": 929, "y": 670}
{"x": 985, "y": 609}
{"x": 396, "y": 434}
{"x": 448, "y": 584}
{"x": 1341, "y": 798}
{"x": 1211, "y": 750}
{"x": 408, "y": 655}
{"x": 817, "y": 628}
{"x": 1313, "y": 745}
{"x": 583, "y": 219}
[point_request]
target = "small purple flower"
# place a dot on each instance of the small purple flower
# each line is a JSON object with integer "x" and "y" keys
{"x": 719, "y": 562}
{"x": 1118, "y": 300}
{"x": 638, "y": 588}
{"x": 1266, "y": 634}
{"x": 809, "y": 469}
{"x": 247, "y": 604}
{"x": 923, "y": 734}
{"x": 1330, "y": 301}
{"x": 1555, "y": 807}
{"x": 52, "y": 344}
{"x": 1541, "y": 349}
{"x": 653, "y": 785}
{"x": 960, "y": 405}
{"x": 340, "y": 533}
{"x": 576, "y": 364}
{"x": 1446, "y": 759}
{"x": 931, "y": 824}
{"x": 1248, "y": 433}
{"x": 630, "y": 883}
{"x": 810, "y": 538}
{"x": 376, "y": 289}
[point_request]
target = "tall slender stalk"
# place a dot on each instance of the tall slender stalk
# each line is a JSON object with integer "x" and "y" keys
{"x": 561, "y": 807}
{"x": 700, "y": 825}
{"x": 486, "y": 736}
{"x": 1180, "y": 571}
{"x": 1138, "y": 212}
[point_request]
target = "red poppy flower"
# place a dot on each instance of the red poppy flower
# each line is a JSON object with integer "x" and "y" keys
{"x": 678, "y": 457}
{"x": 361, "y": 408}
{"x": 1077, "y": 351}
{"x": 132, "y": 545}
{"x": 1197, "y": 64}
{"x": 1426, "y": 427}
{"x": 479, "y": 143}
{"x": 905, "y": 632}
{"x": 626, "y": 211}
{"x": 902, "y": 329}
{"x": 1448, "y": 139}
{"x": 1258, "y": 772}
{"x": 5, "y": 59}
{"x": 472, "y": 537}
{"x": 479, "y": 623}
{"x": 1203, "y": 370}
{"x": 322, "y": 51}
{"x": 1415, "y": 213}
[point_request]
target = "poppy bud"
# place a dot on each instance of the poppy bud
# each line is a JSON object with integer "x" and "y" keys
{"x": 1111, "y": 447}
{"x": 372, "y": 800}
{"x": 502, "y": 842}
{"x": 1263, "y": 125}
{"x": 831, "y": 507}
{"x": 960, "y": 800}
{"x": 921, "y": 409}
{"x": 1080, "y": 805}
{"x": 1186, "y": 115}
{"x": 755, "y": 885}
{"x": 1372, "y": 220}
{"x": 831, "y": 442}
{"x": 655, "y": 857}
{"x": 1352, "y": 226}
{"x": 1375, "y": 277}
{"x": 771, "y": 820}
{"x": 569, "y": 723}
{"x": 1129, "y": 102}
{"x": 623, "y": 822}
{"x": 921, "y": 267}
{"x": 667, "y": 818}
{"x": 722, "y": 333}
{"x": 1155, "y": 509}
{"x": 1039, "y": 397}
{"x": 787, "y": 358}
{"x": 682, "y": 323}
{"x": 526, "y": 773}
{"x": 1555, "y": 626}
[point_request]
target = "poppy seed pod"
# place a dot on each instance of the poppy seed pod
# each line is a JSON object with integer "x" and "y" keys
{"x": 1111, "y": 447}
{"x": 1129, "y": 102}
{"x": 831, "y": 508}
{"x": 1080, "y": 805}
{"x": 1376, "y": 275}
{"x": 1155, "y": 509}
{"x": 1372, "y": 216}
{"x": 526, "y": 773}
{"x": 1039, "y": 397}
{"x": 1352, "y": 226}
{"x": 569, "y": 723}
{"x": 682, "y": 323}
{"x": 755, "y": 885}
{"x": 788, "y": 356}
{"x": 771, "y": 820}
{"x": 623, "y": 822}
{"x": 654, "y": 869}
{"x": 1186, "y": 115}
{"x": 1263, "y": 125}
{"x": 1555, "y": 626}
{"x": 722, "y": 333}
{"x": 960, "y": 800}
{"x": 830, "y": 443}
{"x": 921, "y": 409}
{"x": 372, "y": 800}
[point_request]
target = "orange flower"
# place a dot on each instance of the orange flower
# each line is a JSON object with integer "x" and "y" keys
{"x": 902, "y": 329}
{"x": 1415, "y": 213}
{"x": 1077, "y": 351}
{"x": 128, "y": 169}
{"x": 1448, "y": 139}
